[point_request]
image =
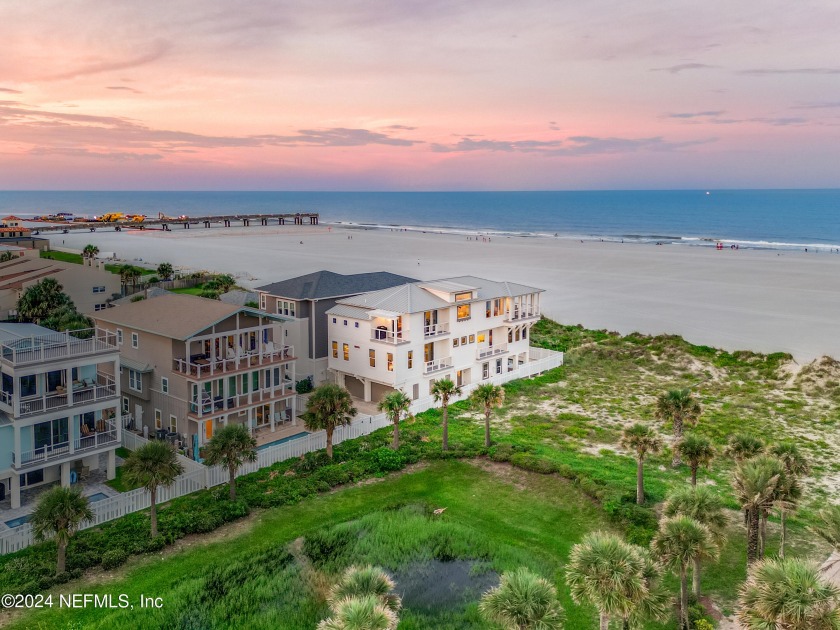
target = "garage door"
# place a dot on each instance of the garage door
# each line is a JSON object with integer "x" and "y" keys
{"x": 378, "y": 391}
{"x": 355, "y": 387}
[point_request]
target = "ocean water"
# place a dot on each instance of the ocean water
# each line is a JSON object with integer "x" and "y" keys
{"x": 747, "y": 218}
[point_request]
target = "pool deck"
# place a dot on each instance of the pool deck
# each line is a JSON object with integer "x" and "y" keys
{"x": 265, "y": 436}
{"x": 29, "y": 497}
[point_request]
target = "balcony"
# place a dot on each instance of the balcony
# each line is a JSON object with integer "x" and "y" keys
{"x": 95, "y": 439}
{"x": 199, "y": 366}
{"x": 436, "y": 330}
{"x": 82, "y": 393}
{"x": 388, "y": 336}
{"x": 44, "y": 348}
{"x": 518, "y": 314}
{"x": 210, "y": 407}
{"x": 437, "y": 364}
{"x": 484, "y": 352}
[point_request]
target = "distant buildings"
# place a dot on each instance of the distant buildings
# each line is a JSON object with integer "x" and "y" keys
{"x": 191, "y": 365}
{"x": 90, "y": 286}
{"x": 306, "y": 299}
{"x": 409, "y": 336}
{"x": 59, "y": 406}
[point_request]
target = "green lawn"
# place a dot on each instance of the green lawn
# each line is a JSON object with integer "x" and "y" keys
{"x": 526, "y": 519}
{"x": 77, "y": 259}
{"x": 196, "y": 290}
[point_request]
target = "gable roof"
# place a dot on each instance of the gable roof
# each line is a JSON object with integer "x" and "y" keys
{"x": 174, "y": 315}
{"x": 406, "y": 298}
{"x": 328, "y": 284}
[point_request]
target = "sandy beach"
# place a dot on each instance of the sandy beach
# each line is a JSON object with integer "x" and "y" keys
{"x": 766, "y": 301}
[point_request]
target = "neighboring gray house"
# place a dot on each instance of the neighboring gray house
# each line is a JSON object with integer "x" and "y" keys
{"x": 306, "y": 299}
{"x": 237, "y": 297}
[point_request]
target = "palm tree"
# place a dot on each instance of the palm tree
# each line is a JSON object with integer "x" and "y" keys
{"x": 788, "y": 594}
{"x": 129, "y": 273}
{"x": 58, "y": 514}
{"x": 395, "y": 404}
{"x": 523, "y": 601}
{"x": 360, "y": 613}
{"x": 41, "y": 300}
{"x": 705, "y": 507}
{"x": 698, "y": 451}
{"x": 443, "y": 390}
{"x": 165, "y": 271}
{"x": 679, "y": 407}
{"x": 90, "y": 251}
{"x": 796, "y": 466}
{"x": 152, "y": 465}
{"x": 681, "y": 541}
{"x": 755, "y": 484}
{"x": 329, "y": 406}
{"x": 362, "y": 582}
{"x": 828, "y": 525}
{"x": 608, "y": 573}
{"x": 485, "y": 397}
{"x": 743, "y": 446}
{"x": 231, "y": 447}
{"x": 642, "y": 440}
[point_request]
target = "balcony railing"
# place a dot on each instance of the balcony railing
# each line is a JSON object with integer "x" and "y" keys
{"x": 436, "y": 330}
{"x": 40, "y": 455}
{"x": 490, "y": 351}
{"x": 203, "y": 367}
{"x": 97, "y": 439}
{"x": 437, "y": 364}
{"x": 81, "y": 395}
{"x": 519, "y": 313}
{"x": 209, "y": 407}
{"x": 42, "y": 348}
{"x": 388, "y": 336}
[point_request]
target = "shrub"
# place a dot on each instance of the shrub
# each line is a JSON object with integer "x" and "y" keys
{"x": 386, "y": 460}
{"x": 703, "y": 624}
{"x": 155, "y": 544}
{"x": 304, "y": 386}
{"x": 324, "y": 547}
{"x": 114, "y": 558}
{"x": 533, "y": 463}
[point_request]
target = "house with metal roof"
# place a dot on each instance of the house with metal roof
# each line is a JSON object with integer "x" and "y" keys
{"x": 192, "y": 365}
{"x": 306, "y": 300}
{"x": 406, "y": 337}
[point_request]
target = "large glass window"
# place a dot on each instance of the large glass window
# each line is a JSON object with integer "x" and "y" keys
{"x": 372, "y": 357}
{"x": 335, "y": 349}
{"x": 390, "y": 361}
{"x": 28, "y": 385}
{"x": 460, "y": 297}
{"x": 410, "y": 359}
{"x": 346, "y": 349}
{"x": 463, "y": 311}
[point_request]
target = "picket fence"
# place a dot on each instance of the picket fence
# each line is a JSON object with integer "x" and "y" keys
{"x": 197, "y": 476}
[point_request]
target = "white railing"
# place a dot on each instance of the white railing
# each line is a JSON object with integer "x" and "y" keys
{"x": 40, "y": 455}
{"x": 388, "y": 336}
{"x": 490, "y": 351}
{"x": 524, "y": 312}
{"x": 227, "y": 403}
{"x": 97, "y": 440}
{"x": 437, "y": 364}
{"x": 198, "y": 476}
{"x": 204, "y": 368}
{"x": 40, "y": 348}
{"x": 107, "y": 388}
{"x": 436, "y": 330}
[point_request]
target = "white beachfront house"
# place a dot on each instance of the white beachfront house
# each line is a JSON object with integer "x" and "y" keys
{"x": 59, "y": 406}
{"x": 409, "y": 336}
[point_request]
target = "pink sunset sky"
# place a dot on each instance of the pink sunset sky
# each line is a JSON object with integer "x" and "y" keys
{"x": 408, "y": 95}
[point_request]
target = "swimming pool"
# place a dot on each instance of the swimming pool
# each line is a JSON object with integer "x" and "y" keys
{"x": 282, "y": 441}
{"x": 97, "y": 497}
{"x": 20, "y": 520}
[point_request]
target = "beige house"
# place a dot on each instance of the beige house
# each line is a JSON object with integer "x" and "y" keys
{"x": 192, "y": 365}
{"x": 90, "y": 286}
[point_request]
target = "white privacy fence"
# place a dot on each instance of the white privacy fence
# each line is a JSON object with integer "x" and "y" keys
{"x": 197, "y": 476}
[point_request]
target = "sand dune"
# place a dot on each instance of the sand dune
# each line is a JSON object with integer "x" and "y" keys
{"x": 759, "y": 300}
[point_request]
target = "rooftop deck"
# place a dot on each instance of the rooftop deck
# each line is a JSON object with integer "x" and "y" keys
{"x": 45, "y": 348}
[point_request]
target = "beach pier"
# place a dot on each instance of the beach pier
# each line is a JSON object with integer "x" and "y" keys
{"x": 164, "y": 223}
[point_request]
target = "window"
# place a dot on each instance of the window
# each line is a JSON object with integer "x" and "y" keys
{"x": 518, "y": 332}
{"x": 455, "y": 342}
{"x": 292, "y": 309}
{"x": 255, "y": 381}
{"x": 463, "y": 312}
{"x": 119, "y": 336}
{"x": 481, "y": 337}
{"x": 524, "y": 333}
{"x": 158, "y": 419}
{"x": 487, "y": 309}
{"x": 262, "y": 301}
{"x": 173, "y": 424}
{"x": 460, "y": 297}
{"x": 125, "y": 404}
{"x": 485, "y": 370}
{"x": 372, "y": 357}
{"x": 510, "y": 335}
{"x": 472, "y": 338}
{"x": 100, "y": 307}
{"x": 497, "y": 307}
{"x": 464, "y": 341}
{"x": 410, "y": 359}
{"x": 335, "y": 349}
{"x": 346, "y": 348}
{"x": 345, "y": 322}
{"x": 244, "y": 383}
{"x": 334, "y": 320}
{"x": 164, "y": 385}
{"x": 99, "y": 289}
{"x": 498, "y": 366}
{"x": 135, "y": 340}
{"x": 390, "y": 361}
{"x": 356, "y": 324}
{"x": 135, "y": 380}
